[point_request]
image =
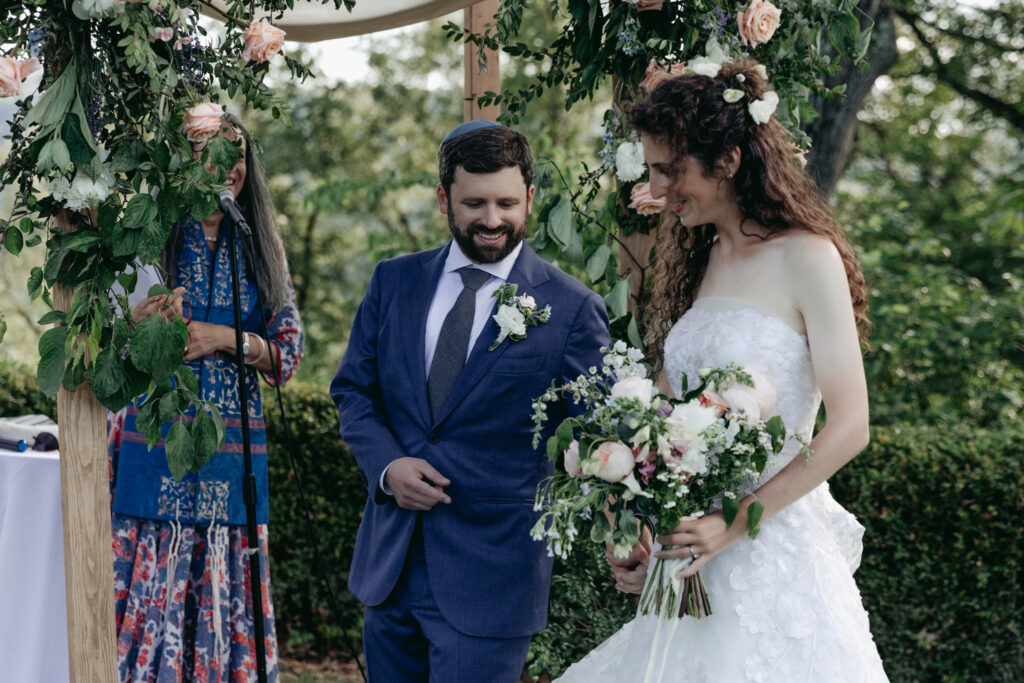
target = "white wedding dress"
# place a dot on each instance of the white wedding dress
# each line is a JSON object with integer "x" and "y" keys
{"x": 785, "y": 605}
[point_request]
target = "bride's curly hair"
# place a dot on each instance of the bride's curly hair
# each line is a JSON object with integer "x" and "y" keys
{"x": 690, "y": 115}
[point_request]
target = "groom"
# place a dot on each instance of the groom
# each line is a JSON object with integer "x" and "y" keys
{"x": 440, "y": 424}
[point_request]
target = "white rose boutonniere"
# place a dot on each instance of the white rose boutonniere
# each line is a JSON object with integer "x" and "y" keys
{"x": 515, "y": 314}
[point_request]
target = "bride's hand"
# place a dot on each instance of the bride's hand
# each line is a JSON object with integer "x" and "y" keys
{"x": 701, "y": 538}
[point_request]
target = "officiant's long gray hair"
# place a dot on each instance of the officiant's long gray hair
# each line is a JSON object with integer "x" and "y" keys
{"x": 268, "y": 263}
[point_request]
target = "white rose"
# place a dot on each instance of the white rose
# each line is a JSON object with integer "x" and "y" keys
{"x": 688, "y": 420}
{"x": 761, "y": 110}
{"x": 634, "y": 387}
{"x": 526, "y": 301}
{"x": 510, "y": 321}
{"x": 629, "y": 161}
{"x": 612, "y": 461}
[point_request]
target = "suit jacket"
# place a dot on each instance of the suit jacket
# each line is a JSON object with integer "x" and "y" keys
{"x": 488, "y": 577}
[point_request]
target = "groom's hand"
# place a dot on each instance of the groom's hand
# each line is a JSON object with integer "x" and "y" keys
{"x": 631, "y": 572}
{"x": 416, "y": 485}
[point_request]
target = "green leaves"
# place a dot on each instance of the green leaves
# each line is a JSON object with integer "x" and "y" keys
{"x": 180, "y": 450}
{"x": 158, "y": 346}
{"x": 50, "y": 370}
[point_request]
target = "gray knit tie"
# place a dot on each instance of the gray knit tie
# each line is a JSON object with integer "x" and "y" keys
{"x": 452, "y": 342}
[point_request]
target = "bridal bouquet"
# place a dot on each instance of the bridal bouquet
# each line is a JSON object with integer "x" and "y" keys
{"x": 635, "y": 453}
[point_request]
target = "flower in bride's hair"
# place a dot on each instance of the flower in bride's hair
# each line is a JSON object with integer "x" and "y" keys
{"x": 262, "y": 41}
{"x": 710, "y": 63}
{"x": 757, "y": 25}
{"x": 732, "y": 95}
{"x": 13, "y": 73}
{"x": 762, "y": 71}
{"x": 203, "y": 121}
{"x": 761, "y": 110}
{"x": 629, "y": 161}
{"x": 643, "y": 202}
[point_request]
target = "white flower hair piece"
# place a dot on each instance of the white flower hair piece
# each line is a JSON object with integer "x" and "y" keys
{"x": 710, "y": 63}
{"x": 732, "y": 95}
{"x": 741, "y": 78}
{"x": 761, "y": 110}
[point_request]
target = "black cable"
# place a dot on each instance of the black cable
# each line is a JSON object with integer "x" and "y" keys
{"x": 335, "y": 606}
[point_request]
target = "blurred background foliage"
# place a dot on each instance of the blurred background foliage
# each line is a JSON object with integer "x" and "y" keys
{"x": 931, "y": 194}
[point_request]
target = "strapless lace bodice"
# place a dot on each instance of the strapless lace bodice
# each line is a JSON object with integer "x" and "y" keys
{"x": 717, "y": 331}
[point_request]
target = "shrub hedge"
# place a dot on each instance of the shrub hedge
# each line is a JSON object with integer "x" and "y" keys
{"x": 940, "y": 575}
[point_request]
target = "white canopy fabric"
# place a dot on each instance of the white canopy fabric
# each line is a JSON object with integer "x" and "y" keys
{"x": 310, "y": 22}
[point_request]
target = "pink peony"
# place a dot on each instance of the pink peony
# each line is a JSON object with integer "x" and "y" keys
{"x": 758, "y": 23}
{"x": 756, "y": 402}
{"x": 203, "y": 121}
{"x": 641, "y": 200}
{"x": 13, "y": 73}
{"x": 262, "y": 41}
{"x": 572, "y": 459}
{"x": 710, "y": 399}
{"x": 614, "y": 461}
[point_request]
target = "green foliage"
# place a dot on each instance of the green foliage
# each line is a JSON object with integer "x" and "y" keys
{"x": 941, "y": 574}
{"x": 109, "y": 85}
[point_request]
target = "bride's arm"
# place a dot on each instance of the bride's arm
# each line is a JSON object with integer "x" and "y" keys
{"x": 821, "y": 292}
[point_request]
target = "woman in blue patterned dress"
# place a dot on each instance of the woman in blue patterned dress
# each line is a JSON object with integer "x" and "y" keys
{"x": 182, "y": 587}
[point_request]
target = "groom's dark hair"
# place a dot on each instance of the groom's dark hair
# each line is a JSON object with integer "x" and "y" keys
{"x": 486, "y": 150}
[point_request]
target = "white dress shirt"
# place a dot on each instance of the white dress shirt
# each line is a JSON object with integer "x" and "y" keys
{"x": 450, "y": 286}
{"x": 448, "y": 289}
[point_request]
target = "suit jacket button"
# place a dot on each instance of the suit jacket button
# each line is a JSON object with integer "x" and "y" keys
{"x": 432, "y": 437}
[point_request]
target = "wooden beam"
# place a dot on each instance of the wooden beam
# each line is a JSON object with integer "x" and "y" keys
{"x": 478, "y": 82}
{"x": 85, "y": 510}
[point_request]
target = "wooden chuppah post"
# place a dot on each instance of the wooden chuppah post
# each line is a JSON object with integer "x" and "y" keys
{"x": 85, "y": 510}
{"x": 477, "y": 82}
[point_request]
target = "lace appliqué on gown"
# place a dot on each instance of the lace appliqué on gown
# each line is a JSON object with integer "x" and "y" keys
{"x": 786, "y": 607}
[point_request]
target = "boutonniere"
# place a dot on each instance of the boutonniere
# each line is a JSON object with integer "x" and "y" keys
{"x": 515, "y": 314}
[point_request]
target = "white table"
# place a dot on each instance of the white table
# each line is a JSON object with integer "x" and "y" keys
{"x": 33, "y": 616}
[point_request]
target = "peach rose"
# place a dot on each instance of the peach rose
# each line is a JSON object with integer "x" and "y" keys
{"x": 613, "y": 461}
{"x": 641, "y": 200}
{"x": 13, "y": 73}
{"x": 657, "y": 72}
{"x": 758, "y": 23}
{"x": 203, "y": 121}
{"x": 710, "y": 399}
{"x": 262, "y": 41}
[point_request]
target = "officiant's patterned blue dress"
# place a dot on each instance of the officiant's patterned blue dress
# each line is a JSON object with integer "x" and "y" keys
{"x": 182, "y": 594}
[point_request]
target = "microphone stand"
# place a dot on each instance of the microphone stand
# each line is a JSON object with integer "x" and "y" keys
{"x": 236, "y": 227}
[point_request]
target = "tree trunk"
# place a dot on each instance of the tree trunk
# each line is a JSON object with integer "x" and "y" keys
{"x": 834, "y": 131}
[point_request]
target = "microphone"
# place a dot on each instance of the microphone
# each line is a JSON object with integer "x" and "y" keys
{"x": 230, "y": 209}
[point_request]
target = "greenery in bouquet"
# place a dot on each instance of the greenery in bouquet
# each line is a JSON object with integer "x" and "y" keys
{"x": 114, "y": 140}
{"x": 635, "y": 453}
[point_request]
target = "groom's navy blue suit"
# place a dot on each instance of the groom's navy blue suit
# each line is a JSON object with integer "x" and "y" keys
{"x": 489, "y": 579}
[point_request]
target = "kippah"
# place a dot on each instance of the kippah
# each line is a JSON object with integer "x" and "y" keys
{"x": 469, "y": 127}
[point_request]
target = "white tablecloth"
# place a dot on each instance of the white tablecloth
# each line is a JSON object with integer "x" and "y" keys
{"x": 33, "y": 616}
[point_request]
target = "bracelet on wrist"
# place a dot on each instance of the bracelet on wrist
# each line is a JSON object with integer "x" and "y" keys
{"x": 263, "y": 351}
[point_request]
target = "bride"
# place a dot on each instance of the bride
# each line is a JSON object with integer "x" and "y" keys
{"x": 758, "y": 272}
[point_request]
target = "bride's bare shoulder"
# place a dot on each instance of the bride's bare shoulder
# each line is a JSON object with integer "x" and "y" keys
{"x": 810, "y": 257}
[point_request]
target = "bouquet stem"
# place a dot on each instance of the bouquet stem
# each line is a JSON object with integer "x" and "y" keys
{"x": 670, "y": 598}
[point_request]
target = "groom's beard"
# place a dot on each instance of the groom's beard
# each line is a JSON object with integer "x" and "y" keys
{"x": 481, "y": 253}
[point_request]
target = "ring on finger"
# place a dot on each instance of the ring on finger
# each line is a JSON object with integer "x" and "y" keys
{"x": 692, "y": 554}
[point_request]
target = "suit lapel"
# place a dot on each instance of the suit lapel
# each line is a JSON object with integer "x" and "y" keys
{"x": 528, "y": 272}
{"x": 417, "y": 291}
